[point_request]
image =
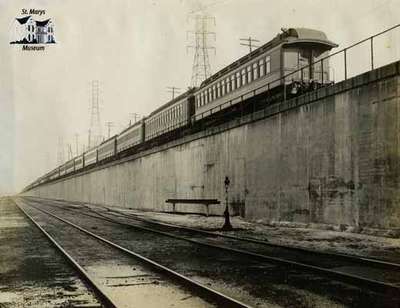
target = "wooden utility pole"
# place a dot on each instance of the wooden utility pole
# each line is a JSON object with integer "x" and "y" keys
{"x": 173, "y": 91}
{"x": 109, "y": 125}
{"x": 249, "y": 43}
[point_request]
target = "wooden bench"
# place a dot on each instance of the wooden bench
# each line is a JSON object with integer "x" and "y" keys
{"x": 205, "y": 202}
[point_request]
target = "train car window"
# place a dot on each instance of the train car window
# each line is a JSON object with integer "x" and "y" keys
{"x": 261, "y": 67}
{"x": 243, "y": 77}
{"x": 233, "y": 82}
{"x": 214, "y": 93}
{"x": 228, "y": 85}
{"x": 268, "y": 64}
{"x": 249, "y": 77}
{"x": 291, "y": 59}
{"x": 238, "y": 80}
{"x": 255, "y": 71}
{"x": 222, "y": 87}
{"x": 304, "y": 57}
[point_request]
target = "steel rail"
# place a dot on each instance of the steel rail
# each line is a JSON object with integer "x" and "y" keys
{"x": 363, "y": 260}
{"x": 341, "y": 276}
{"x": 81, "y": 271}
{"x": 347, "y": 257}
{"x": 219, "y": 298}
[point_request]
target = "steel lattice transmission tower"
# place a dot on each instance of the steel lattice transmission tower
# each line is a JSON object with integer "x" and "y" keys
{"x": 201, "y": 69}
{"x": 95, "y": 133}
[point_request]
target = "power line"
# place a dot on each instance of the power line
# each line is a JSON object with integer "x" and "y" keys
{"x": 173, "y": 91}
{"x": 249, "y": 43}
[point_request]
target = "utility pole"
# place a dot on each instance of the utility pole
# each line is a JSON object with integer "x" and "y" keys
{"x": 135, "y": 117}
{"x": 249, "y": 43}
{"x": 89, "y": 138}
{"x": 201, "y": 68}
{"x": 173, "y": 91}
{"x": 109, "y": 125}
{"x": 60, "y": 151}
{"x": 70, "y": 155}
{"x": 76, "y": 144}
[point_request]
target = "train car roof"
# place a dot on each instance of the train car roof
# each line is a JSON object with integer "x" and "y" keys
{"x": 173, "y": 101}
{"x": 288, "y": 36}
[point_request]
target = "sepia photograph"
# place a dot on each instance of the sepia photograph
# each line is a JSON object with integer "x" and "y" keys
{"x": 199, "y": 153}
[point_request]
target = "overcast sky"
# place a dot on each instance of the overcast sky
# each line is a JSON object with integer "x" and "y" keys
{"x": 136, "y": 49}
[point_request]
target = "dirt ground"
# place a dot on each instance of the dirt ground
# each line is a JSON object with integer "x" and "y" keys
{"x": 32, "y": 273}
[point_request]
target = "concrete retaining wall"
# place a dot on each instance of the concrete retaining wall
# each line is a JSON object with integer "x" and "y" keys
{"x": 333, "y": 158}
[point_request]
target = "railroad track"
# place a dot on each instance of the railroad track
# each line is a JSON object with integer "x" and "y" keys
{"x": 346, "y": 269}
{"x": 169, "y": 226}
{"x": 214, "y": 298}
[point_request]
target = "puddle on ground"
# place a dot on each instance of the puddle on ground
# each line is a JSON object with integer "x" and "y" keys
{"x": 134, "y": 286}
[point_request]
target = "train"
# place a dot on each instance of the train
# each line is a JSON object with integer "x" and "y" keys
{"x": 294, "y": 59}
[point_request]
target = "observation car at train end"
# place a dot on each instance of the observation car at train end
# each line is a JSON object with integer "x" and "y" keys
{"x": 269, "y": 67}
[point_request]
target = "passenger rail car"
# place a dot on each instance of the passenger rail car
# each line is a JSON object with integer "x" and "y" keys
{"x": 70, "y": 166}
{"x": 53, "y": 174}
{"x": 79, "y": 162}
{"x": 91, "y": 157}
{"x": 107, "y": 148}
{"x": 172, "y": 115}
{"x": 131, "y": 136}
{"x": 264, "y": 69}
